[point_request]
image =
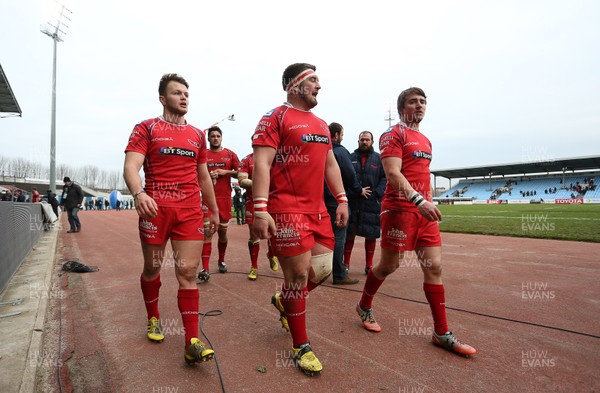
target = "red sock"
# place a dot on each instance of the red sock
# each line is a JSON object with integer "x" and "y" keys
{"x": 187, "y": 300}
{"x": 348, "y": 251}
{"x": 206, "y": 251}
{"x": 254, "y": 248}
{"x": 371, "y": 287}
{"x": 150, "y": 291}
{"x": 370, "y": 250}
{"x": 222, "y": 248}
{"x": 437, "y": 302}
{"x": 311, "y": 285}
{"x": 294, "y": 304}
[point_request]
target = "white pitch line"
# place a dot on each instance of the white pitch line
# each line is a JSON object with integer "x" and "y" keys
{"x": 545, "y": 217}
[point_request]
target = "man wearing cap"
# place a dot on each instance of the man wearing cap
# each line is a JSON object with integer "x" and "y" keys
{"x": 293, "y": 159}
{"x": 72, "y": 198}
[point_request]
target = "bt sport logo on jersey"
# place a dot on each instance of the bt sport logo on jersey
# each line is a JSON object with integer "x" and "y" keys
{"x": 176, "y": 151}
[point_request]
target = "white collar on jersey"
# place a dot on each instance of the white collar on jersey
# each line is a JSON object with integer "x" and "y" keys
{"x": 292, "y": 106}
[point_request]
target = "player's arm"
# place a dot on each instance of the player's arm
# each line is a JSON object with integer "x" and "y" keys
{"x": 392, "y": 167}
{"x": 145, "y": 206}
{"x": 208, "y": 194}
{"x": 379, "y": 190}
{"x": 333, "y": 178}
{"x": 245, "y": 182}
{"x": 263, "y": 225}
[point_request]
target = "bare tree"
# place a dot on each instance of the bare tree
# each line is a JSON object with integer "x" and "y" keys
{"x": 4, "y": 162}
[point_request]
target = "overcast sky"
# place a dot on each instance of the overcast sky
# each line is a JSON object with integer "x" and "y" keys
{"x": 507, "y": 81}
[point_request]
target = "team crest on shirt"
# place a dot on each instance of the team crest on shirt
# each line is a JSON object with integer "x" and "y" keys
{"x": 315, "y": 138}
{"x": 194, "y": 143}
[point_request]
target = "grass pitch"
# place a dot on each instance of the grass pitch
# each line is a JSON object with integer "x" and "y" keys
{"x": 563, "y": 222}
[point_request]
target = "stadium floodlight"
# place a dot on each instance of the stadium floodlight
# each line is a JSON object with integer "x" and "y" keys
{"x": 230, "y": 118}
{"x": 55, "y": 29}
{"x": 389, "y": 114}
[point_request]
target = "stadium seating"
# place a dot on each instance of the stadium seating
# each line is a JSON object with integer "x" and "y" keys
{"x": 537, "y": 186}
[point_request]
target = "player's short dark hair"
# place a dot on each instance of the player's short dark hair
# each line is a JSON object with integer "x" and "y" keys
{"x": 214, "y": 128}
{"x": 411, "y": 90}
{"x": 335, "y": 129}
{"x": 166, "y": 78}
{"x": 366, "y": 132}
{"x": 293, "y": 70}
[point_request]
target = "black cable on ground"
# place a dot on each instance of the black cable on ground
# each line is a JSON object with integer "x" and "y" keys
{"x": 450, "y": 308}
{"x": 212, "y": 313}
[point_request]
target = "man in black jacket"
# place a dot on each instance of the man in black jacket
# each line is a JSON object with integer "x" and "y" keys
{"x": 51, "y": 198}
{"x": 365, "y": 210}
{"x": 353, "y": 189}
{"x": 71, "y": 200}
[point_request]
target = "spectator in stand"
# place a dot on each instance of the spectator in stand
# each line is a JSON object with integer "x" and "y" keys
{"x": 51, "y": 198}
{"x": 35, "y": 195}
{"x": 19, "y": 196}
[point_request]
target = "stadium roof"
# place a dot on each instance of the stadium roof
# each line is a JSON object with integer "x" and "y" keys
{"x": 8, "y": 103}
{"x": 545, "y": 166}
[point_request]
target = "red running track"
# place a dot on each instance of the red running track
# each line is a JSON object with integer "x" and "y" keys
{"x": 537, "y": 282}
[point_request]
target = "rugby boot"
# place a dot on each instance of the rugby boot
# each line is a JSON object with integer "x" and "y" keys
{"x": 451, "y": 343}
{"x": 155, "y": 333}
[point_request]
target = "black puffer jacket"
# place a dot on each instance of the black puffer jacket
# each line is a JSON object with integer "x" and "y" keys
{"x": 365, "y": 212}
{"x": 72, "y": 196}
{"x": 351, "y": 183}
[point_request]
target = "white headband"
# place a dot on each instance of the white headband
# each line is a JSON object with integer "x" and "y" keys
{"x": 299, "y": 79}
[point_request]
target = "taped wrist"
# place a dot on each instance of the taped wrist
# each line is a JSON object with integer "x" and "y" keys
{"x": 416, "y": 199}
{"x": 260, "y": 204}
{"x": 341, "y": 198}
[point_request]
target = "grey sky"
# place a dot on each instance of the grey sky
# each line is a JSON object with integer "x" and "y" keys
{"x": 506, "y": 81}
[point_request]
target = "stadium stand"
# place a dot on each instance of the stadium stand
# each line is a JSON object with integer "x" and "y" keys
{"x": 526, "y": 181}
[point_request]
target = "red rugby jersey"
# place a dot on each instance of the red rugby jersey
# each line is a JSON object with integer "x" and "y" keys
{"x": 415, "y": 151}
{"x": 247, "y": 166}
{"x": 173, "y": 153}
{"x": 302, "y": 141}
{"x": 223, "y": 159}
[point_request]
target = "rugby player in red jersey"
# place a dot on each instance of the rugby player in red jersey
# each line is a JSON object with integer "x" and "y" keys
{"x": 245, "y": 178}
{"x": 409, "y": 219}
{"x": 293, "y": 158}
{"x": 222, "y": 164}
{"x": 173, "y": 154}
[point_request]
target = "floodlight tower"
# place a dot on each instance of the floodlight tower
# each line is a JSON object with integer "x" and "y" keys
{"x": 230, "y": 118}
{"x": 55, "y": 29}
